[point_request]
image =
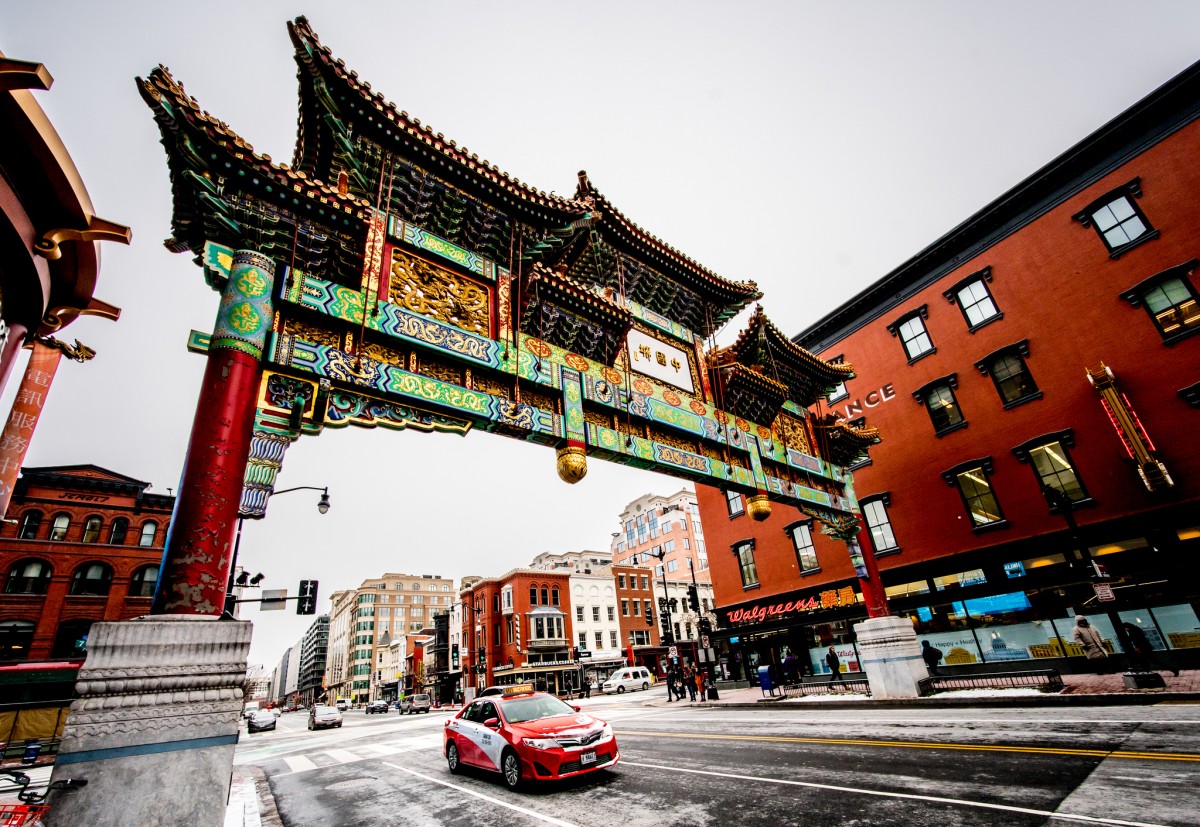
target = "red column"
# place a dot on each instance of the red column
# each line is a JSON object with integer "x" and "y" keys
{"x": 872, "y": 585}
{"x": 199, "y": 548}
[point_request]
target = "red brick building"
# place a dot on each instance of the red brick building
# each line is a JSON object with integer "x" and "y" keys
{"x": 520, "y": 625}
{"x": 973, "y": 360}
{"x": 78, "y": 544}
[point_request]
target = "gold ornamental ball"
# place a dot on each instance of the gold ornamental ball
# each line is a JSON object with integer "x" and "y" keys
{"x": 572, "y": 464}
{"x": 758, "y": 507}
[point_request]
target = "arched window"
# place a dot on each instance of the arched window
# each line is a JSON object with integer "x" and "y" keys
{"x": 545, "y": 596}
{"x": 143, "y": 581}
{"x": 58, "y": 531}
{"x": 16, "y": 636}
{"x": 91, "y": 529}
{"x": 554, "y": 596}
{"x": 30, "y": 524}
{"x": 92, "y": 579}
{"x": 533, "y": 595}
{"x": 28, "y": 577}
{"x": 149, "y": 529}
{"x": 116, "y": 535}
{"x": 70, "y": 642}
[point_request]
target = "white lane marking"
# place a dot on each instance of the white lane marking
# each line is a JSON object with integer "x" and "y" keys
{"x": 298, "y": 763}
{"x": 386, "y": 749}
{"x": 910, "y": 796}
{"x": 815, "y": 721}
{"x": 342, "y": 756}
{"x": 523, "y": 810}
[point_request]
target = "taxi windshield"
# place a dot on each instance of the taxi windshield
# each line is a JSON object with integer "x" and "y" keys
{"x": 520, "y": 710}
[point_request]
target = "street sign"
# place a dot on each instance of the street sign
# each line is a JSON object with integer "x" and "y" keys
{"x": 1104, "y": 592}
{"x": 273, "y": 600}
{"x": 306, "y": 604}
{"x": 704, "y": 641}
{"x": 584, "y": 653}
{"x": 672, "y": 651}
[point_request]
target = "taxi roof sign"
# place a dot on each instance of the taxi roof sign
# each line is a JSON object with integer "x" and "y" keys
{"x": 518, "y": 689}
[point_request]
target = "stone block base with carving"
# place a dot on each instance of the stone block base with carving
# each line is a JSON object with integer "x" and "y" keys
{"x": 891, "y": 656}
{"x": 156, "y": 723}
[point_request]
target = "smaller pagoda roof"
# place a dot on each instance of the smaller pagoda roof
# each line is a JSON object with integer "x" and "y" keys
{"x": 842, "y": 443}
{"x": 764, "y": 346}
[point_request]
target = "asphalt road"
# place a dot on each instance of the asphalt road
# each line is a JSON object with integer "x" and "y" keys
{"x": 781, "y": 765}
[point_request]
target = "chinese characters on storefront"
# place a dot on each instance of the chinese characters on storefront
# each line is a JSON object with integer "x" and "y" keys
{"x": 660, "y": 360}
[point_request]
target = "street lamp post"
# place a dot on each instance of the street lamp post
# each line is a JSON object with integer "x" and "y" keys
{"x": 666, "y": 597}
{"x": 230, "y": 599}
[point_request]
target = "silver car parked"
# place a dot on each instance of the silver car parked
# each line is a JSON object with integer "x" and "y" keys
{"x": 418, "y": 702}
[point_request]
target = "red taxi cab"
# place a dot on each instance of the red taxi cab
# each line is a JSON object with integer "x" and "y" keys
{"x": 524, "y": 735}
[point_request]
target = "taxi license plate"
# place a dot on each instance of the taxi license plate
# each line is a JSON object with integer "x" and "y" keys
{"x": 588, "y": 758}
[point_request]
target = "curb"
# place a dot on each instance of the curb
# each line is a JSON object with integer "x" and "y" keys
{"x": 268, "y": 813}
{"x": 1091, "y": 699}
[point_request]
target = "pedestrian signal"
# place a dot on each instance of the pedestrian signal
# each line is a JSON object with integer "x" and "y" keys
{"x": 694, "y": 598}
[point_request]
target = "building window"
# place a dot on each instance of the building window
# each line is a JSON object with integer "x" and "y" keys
{"x": 645, "y": 582}
{"x": 612, "y": 613}
{"x": 839, "y": 391}
{"x": 30, "y": 523}
{"x": 744, "y": 551}
{"x": 58, "y": 531}
{"x": 624, "y": 607}
{"x": 117, "y": 532}
{"x": 554, "y": 596}
{"x": 637, "y": 608}
{"x": 579, "y": 613}
{"x": 91, "y": 529}
{"x": 545, "y": 596}
{"x": 533, "y": 595}
{"x": 599, "y": 636}
{"x": 802, "y": 541}
{"x": 16, "y": 636}
{"x": 938, "y": 399}
{"x": 733, "y": 500}
{"x": 70, "y": 642}
{"x": 1171, "y": 300}
{"x": 1010, "y": 374}
{"x": 875, "y": 514}
{"x": 143, "y": 581}
{"x": 620, "y": 581}
{"x": 910, "y": 329}
{"x": 975, "y": 300}
{"x": 92, "y": 580}
{"x": 596, "y": 614}
{"x": 28, "y": 577}
{"x": 612, "y": 640}
{"x": 1117, "y": 218}
{"x": 1052, "y": 465}
{"x": 973, "y": 480}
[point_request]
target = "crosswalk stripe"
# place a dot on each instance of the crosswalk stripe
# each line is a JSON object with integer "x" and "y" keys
{"x": 386, "y": 749}
{"x": 298, "y": 763}
{"x": 342, "y": 756}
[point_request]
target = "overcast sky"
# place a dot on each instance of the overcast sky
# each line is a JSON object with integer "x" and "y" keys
{"x": 809, "y": 146}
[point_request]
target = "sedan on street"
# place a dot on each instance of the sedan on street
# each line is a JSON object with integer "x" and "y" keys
{"x": 322, "y": 717}
{"x": 261, "y": 721}
{"x": 527, "y": 735}
{"x": 377, "y": 706}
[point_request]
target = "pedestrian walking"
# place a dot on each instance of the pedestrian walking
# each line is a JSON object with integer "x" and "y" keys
{"x": 834, "y": 664}
{"x": 689, "y": 678}
{"x": 932, "y": 656}
{"x": 587, "y": 688}
{"x": 1092, "y": 642}
{"x": 669, "y": 680}
{"x": 701, "y": 679}
{"x": 1141, "y": 653}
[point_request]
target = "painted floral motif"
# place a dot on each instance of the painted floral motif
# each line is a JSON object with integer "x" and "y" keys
{"x": 611, "y": 376}
{"x": 642, "y": 386}
{"x": 764, "y": 433}
{"x": 672, "y": 398}
{"x": 698, "y": 408}
{"x": 742, "y": 424}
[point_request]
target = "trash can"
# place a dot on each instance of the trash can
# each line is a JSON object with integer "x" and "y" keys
{"x": 765, "y": 682}
{"x": 32, "y": 750}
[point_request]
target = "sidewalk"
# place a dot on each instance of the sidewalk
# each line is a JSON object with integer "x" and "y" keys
{"x": 1081, "y": 690}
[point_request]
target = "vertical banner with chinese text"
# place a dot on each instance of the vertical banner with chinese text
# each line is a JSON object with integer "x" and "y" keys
{"x": 26, "y": 410}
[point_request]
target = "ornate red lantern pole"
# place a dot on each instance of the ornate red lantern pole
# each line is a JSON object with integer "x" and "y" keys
{"x": 199, "y": 549}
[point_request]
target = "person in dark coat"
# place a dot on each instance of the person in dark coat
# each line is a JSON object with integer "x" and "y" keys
{"x": 1141, "y": 653}
{"x": 834, "y": 664}
{"x": 689, "y": 678}
{"x": 932, "y": 656}
{"x": 1092, "y": 643}
{"x": 669, "y": 680}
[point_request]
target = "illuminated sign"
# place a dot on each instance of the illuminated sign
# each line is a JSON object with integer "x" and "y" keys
{"x": 660, "y": 361}
{"x": 828, "y": 599}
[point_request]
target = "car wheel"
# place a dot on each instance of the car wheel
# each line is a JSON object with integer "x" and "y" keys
{"x": 339, "y": 725}
{"x": 510, "y": 768}
{"x": 620, "y": 689}
{"x": 452, "y": 758}
{"x": 645, "y": 686}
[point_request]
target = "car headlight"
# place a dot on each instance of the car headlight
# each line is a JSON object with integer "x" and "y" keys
{"x": 540, "y": 743}
{"x": 607, "y": 732}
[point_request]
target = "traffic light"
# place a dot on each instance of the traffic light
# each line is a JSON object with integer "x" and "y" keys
{"x": 306, "y": 603}
{"x": 453, "y": 655}
{"x": 694, "y": 599}
{"x": 705, "y": 626}
{"x": 649, "y": 616}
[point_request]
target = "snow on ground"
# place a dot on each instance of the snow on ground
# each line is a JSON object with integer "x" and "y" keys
{"x": 952, "y": 693}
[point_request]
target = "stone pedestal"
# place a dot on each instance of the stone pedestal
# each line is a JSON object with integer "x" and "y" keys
{"x": 156, "y": 723}
{"x": 891, "y": 656}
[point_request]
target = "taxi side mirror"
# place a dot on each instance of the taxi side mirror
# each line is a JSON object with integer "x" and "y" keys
{"x": 492, "y": 723}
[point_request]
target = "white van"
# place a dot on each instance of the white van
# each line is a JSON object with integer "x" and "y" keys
{"x": 631, "y": 678}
